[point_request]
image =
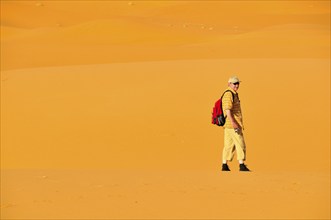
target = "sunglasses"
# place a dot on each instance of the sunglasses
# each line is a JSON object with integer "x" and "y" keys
{"x": 236, "y": 83}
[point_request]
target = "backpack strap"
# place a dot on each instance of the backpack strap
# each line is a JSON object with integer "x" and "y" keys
{"x": 228, "y": 91}
{"x": 223, "y": 95}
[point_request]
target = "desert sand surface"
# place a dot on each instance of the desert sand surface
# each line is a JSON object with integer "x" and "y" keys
{"x": 130, "y": 194}
{"x": 106, "y": 109}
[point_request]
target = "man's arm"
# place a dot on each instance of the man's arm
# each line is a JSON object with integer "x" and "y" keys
{"x": 233, "y": 121}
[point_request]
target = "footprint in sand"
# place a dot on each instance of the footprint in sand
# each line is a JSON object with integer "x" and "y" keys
{"x": 44, "y": 177}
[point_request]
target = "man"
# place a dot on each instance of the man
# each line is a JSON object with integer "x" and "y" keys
{"x": 233, "y": 127}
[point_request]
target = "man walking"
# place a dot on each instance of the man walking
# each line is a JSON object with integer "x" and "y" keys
{"x": 233, "y": 127}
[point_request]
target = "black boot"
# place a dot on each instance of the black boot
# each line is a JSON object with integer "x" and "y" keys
{"x": 242, "y": 167}
{"x": 225, "y": 167}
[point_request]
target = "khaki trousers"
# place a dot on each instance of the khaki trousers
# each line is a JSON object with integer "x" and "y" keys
{"x": 233, "y": 142}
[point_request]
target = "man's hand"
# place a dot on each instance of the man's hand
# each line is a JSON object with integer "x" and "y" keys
{"x": 237, "y": 130}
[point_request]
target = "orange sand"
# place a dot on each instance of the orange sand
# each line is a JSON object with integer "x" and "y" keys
{"x": 106, "y": 106}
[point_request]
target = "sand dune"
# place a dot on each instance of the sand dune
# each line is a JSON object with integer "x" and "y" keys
{"x": 249, "y": 14}
{"x": 109, "y": 41}
{"x": 106, "y": 109}
{"x": 62, "y": 34}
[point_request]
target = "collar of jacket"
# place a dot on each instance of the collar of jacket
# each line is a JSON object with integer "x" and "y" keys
{"x": 234, "y": 92}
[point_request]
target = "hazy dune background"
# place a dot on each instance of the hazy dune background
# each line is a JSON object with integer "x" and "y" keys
{"x": 106, "y": 109}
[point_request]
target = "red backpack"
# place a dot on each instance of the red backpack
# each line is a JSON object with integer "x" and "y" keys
{"x": 218, "y": 114}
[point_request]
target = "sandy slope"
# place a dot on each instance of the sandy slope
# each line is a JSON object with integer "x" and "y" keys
{"x": 157, "y": 114}
{"x": 105, "y": 109}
